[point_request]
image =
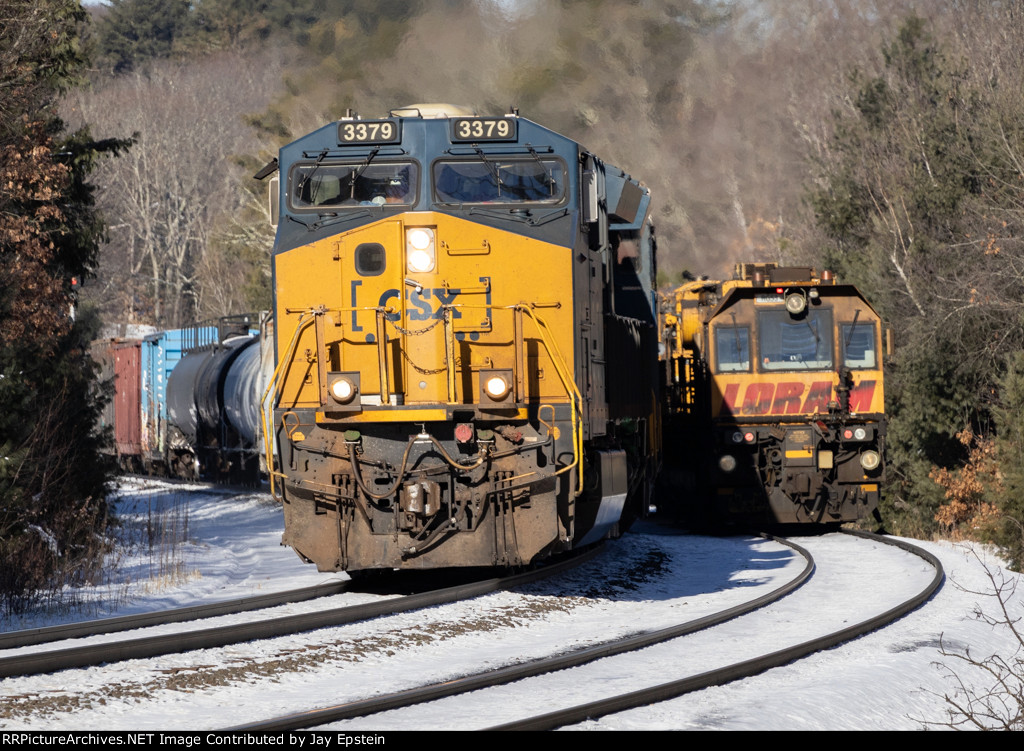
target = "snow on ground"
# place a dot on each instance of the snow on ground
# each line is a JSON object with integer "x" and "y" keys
{"x": 207, "y": 546}
{"x": 183, "y": 544}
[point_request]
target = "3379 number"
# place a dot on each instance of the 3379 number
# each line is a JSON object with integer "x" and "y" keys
{"x": 483, "y": 129}
{"x": 369, "y": 131}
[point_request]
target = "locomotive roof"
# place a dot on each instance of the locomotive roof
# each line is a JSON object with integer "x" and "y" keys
{"x": 424, "y": 133}
{"x": 737, "y": 289}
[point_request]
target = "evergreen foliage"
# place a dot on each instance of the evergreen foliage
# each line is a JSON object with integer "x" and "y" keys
{"x": 1008, "y": 529}
{"x": 921, "y": 206}
{"x": 136, "y": 30}
{"x": 52, "y": 477}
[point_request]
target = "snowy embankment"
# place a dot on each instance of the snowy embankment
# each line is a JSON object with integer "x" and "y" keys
{"x": 189, "y": 544}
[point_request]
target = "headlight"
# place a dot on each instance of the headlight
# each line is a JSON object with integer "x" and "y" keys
{"x": 727, "y": 463}
{"x": 420, "y": 238}
{"x": 343, "y": 390}
{"x": 795, "y": 303}
{"x": 870, "y": 460}
{"x": 419, "y": 250}
{"x": 496, "y": 387}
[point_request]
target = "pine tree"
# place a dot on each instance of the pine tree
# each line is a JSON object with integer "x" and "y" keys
{"x": 52, "y": 478}
{"x": 134, "y": 31}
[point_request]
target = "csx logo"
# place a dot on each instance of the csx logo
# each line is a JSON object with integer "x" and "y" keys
{"x": 421, "y": 307}
{"x": 791, "y": 398}
{"x": 423, "y": 304}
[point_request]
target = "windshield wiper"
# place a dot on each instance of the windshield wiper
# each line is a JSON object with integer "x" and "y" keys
{"x": 490, "y": 167}
{"x": 547, "y": 170}
{"x": 309, "y": 175}
{"x": 736, "y": 337}
{"x": 366, "y": 163}
{"x": 853, "y": 326}
{"x": 335, "y": 218}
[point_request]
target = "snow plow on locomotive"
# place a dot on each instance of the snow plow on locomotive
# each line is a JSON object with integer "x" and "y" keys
{"x": 452, "y": 294}
{"x": 775, "y": 397}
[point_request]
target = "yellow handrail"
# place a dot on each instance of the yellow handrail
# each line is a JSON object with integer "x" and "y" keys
{"x": 304, "y": 320}
{"x": 543, "y": 330}
{"x": 570, "y": 386}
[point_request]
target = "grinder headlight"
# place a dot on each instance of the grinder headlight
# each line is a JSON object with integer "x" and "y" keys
{"x": 870, "y": 460}
{"x": 796, "y": 303}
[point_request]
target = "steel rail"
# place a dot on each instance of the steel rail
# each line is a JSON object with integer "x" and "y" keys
{"x": 745, "y": 669}
{"x": 29, "y": 636}
{"x": 511, "y": 673}
{"x": 155, "y": 646}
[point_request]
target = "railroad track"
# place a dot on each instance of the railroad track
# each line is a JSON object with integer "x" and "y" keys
{"x": 628, "y": 699}
{"x": 49, "y": 661}
{"x": 512, "y": 673}
{"x": 31, "y": 636}
{"x": 746, "y": 668}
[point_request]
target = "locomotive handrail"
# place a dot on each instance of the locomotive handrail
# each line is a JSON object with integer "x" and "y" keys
{"x": 570, "y": 386}
{"x": 560, "y": 367}
{"x": 305, "y": 319}
{"x": 307, "y": 315}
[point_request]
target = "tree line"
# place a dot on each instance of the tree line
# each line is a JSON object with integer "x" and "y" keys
{"x": 919, "y": 201}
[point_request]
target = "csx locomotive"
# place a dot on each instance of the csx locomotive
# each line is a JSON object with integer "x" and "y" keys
{"x": 466, "y": 342}
{"x": 775, "y": 397}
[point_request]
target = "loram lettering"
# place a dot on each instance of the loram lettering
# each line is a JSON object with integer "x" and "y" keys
{"x": 791, "y": 398}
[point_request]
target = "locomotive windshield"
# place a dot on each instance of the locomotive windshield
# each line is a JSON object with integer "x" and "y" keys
{"x": 858, "y": 344}
{"x": 334, "y": 185}
{"x": 795, "y": 344}
{"x": 732, "y": 347}
{"x": 499, "y": 181}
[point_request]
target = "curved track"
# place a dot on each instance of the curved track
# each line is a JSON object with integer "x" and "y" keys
{"x": 572, "y": 681}
{"x": 743, "y": 669}
{"x": 501, "y": 676}
{"x": 154, "y": 646}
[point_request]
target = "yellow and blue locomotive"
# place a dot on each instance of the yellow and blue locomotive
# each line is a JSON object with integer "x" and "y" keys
{"x": 775, "y": 397}
{"x": 466, "y": 343}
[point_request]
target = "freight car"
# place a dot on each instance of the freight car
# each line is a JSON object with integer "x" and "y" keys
{"x": 775, "y": 397}
{"x": 213, "y": 405}
{"x": 466, "y": 357}
{"x": 186, "y": 401}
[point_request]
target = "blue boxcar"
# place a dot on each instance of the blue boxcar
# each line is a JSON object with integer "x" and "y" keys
{"x": 161, "y": 352}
